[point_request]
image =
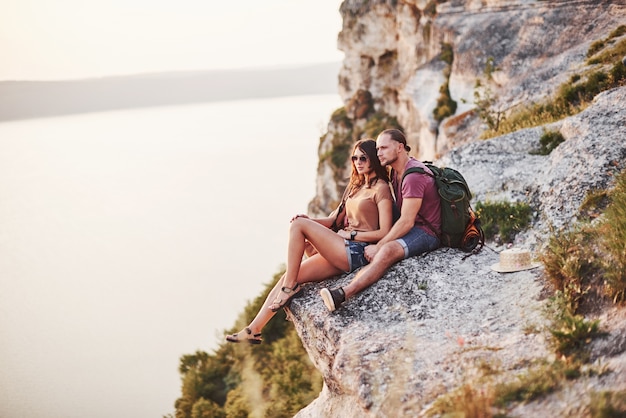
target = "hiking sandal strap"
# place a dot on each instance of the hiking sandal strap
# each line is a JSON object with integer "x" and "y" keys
{"x": 290, "y": 290}
{"x": 249, "y": 331}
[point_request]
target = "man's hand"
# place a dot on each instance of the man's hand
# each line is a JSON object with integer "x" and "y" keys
{"x": 370, "y": 251}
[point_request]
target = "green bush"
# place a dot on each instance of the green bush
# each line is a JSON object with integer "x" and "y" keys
{"x": 595, "y": 47}
{"x": 598, "y": 52}
{"x": 377, "y": 123}
{"x": 549, "y": 141}
{"x": 445, "y": 105}
{"x": 571, "y": 333}
{"x": 431, "y": 7}
{"x": 341, "y": 152}
{"x": 340, "y": 116}
{"x": 485, "y": 100}
{"x": 206, "y": 409}
{"x": 576, "y": 94}
{"x": 343, "y": 143}
{"x": 599, "y": 45}
{"x": 503, "y": 220}
{"x": 447, "y": 53}
{"x": 278, "y": 372}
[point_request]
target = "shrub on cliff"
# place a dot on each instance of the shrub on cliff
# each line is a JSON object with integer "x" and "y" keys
{"x": 590, "y": 258}
{"x": 276, "y": 377}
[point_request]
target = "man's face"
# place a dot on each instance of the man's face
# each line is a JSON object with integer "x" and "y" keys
{"x": 387, "y": 149}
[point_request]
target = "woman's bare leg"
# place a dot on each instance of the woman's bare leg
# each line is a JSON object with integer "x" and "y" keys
{"x": 329, "y": 245}
{"x": 331, "y": 260}
{"x": 314, "y": 269}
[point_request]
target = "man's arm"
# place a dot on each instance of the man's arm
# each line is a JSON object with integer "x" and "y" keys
{"x": 408, "y": 214}
{"x": 410, "y": 208}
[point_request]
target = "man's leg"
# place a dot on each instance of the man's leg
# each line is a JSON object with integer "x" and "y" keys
{"x": 388, "y": 255}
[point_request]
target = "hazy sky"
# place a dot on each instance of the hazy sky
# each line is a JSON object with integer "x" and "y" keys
{"x": 66, "y": 39}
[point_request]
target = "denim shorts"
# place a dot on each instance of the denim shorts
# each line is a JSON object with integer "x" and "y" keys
{"x": 418, "y": 241}
{"x": 356, "y": 254}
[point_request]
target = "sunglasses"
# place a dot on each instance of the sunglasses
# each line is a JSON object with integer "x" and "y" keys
{"x": 362, "y": 158}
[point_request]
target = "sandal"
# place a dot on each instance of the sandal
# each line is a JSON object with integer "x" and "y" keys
{"x": 291, "y": 292}
{"x": 249, "y": 338}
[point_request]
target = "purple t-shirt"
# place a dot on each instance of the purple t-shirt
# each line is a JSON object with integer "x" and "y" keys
{"x": 417, "y": 185}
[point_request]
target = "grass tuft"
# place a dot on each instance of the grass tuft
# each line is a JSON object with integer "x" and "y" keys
{"x": 548, "y": 142}
{"x": 575, "y": 95}
{"x": 608, "y": 404}
{"x": 612, "y": 241}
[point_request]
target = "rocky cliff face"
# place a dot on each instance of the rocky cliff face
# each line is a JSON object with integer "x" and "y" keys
{"x": 435, "y": 323}
{"x": 393, "y": 55}
{"x": 432, "y": 322}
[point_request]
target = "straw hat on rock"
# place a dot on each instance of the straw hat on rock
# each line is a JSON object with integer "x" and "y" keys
{"x": 514, "y": 259}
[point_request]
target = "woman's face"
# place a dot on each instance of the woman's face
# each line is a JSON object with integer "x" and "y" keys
{"x": 361, "y": 162}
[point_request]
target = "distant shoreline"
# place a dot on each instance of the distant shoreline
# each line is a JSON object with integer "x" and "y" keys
{"x": 35, "y": 99}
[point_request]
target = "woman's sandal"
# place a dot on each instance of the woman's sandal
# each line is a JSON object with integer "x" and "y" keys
{"x": 291, "y": 292}
{"x": 249, "y": 338}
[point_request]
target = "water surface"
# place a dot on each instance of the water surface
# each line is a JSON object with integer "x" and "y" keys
{"x": 130, "y": 238}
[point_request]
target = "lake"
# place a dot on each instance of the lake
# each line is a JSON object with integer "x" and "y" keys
{"x": 129, "y": 238}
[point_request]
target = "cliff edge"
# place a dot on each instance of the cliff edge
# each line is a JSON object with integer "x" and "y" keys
{"x": 437, "y": 322}
{"x": 438, "y": 325}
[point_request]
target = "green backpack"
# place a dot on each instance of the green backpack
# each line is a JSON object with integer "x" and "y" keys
{"x": 460, "y": 227}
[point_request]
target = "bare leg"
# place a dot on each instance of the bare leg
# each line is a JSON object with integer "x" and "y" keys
{"x": 387, "y": 256}
{"x": 330, "y": 246}
{"x": 313, "y": 269}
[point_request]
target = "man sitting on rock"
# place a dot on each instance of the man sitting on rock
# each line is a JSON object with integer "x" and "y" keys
{"x": 415, "y": 232}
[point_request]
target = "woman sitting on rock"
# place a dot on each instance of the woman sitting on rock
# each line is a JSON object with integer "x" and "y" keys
{"x": 364, "y": 218}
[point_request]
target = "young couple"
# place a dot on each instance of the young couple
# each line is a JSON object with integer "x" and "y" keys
{"x": 368, "y": 239}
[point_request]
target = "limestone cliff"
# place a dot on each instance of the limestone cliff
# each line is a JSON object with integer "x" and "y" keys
{"x": 433, "y": 323}
{"x": 393, "y": 65}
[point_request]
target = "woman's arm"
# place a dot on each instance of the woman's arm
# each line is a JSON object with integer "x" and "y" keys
{"x": 327, "y": 222}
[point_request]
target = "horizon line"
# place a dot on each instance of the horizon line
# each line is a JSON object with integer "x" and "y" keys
{"x": 177, "y": 72}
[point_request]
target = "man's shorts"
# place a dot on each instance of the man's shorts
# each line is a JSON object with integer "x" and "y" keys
{"x": 417, "y": 241}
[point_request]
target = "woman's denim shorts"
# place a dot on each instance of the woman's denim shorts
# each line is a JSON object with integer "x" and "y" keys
{"x": 356, "y": 254}
{"x": 417, "y": 241}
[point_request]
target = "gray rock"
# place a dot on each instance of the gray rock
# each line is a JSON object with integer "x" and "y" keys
{"x": 432, "y": 322}
{"x": 435, "y": 323}
{"x": 391, "y": 350}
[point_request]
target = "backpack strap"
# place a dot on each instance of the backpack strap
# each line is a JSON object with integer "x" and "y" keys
{"x": 414, "y": 170}
{"x": 420, "y": 170}
{"x": 408, "y": 171}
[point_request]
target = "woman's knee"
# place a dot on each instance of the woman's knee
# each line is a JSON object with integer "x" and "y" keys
{"x": 297, "y": 225}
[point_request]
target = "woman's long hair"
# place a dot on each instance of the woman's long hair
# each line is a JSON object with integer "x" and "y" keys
{"x": 368, "y": 147}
